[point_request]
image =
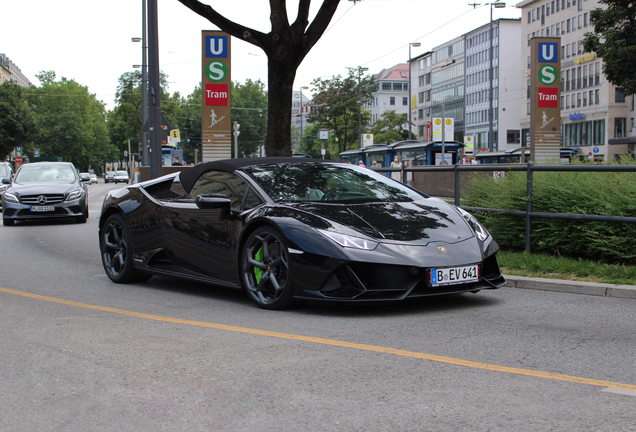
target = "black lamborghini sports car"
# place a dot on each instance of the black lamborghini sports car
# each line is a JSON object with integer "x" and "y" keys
{"x": 287, "y": 229}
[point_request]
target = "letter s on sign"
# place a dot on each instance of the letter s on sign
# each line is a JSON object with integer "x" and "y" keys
{"x": 216, "y": 71}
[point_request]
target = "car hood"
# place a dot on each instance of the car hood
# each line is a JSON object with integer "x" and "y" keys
{"x": 41, "y": 188}
{"x": 418, "y": 222}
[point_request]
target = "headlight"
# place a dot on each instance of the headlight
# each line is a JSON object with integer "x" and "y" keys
{"x": 3, "y": 188}
{"x": 348, "y": 241}
{"x": 10, "y": 198}
{"x": 480, "y": 231}
{"x": 74, "y": 195}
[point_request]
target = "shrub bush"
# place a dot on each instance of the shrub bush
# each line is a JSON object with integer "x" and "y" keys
{"x": 588, "y": 193}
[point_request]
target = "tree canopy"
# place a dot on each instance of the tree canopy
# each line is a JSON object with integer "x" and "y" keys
{"x": 614, "y": 40}
{"x": 338, "y": 110}
{"x": 18, "y": 127}
{"x": 390, "y": 128}
{"x": 286, "y": 45}
{"x": 249, "y": 109}
{"x": 72, "y": 122}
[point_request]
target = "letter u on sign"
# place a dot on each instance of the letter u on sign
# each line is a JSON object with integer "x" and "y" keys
{"x": 548, "y": 52}
{"x": 216, "y": 47}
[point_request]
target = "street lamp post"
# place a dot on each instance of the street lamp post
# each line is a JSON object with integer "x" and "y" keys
{"x": 415, "y": 44}
{"x": 144, "y": 84}
{"x": 302, "y": 106}
{"x": 360, "y": 69}
{"x": 497, "y": 5}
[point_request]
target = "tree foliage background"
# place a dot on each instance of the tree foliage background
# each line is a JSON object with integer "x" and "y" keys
{"x": 390, "y": 128}
{"x": 614, "y": 40}
{"x": 71, "y": 121}
{"x": 337, "y": 98}
{"x": 18, "y": 126}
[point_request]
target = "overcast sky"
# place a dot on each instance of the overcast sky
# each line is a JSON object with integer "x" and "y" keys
{"x": 90, "y": 40}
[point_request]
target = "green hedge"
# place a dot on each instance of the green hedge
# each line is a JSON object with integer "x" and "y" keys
{"x": 589, "y": 193}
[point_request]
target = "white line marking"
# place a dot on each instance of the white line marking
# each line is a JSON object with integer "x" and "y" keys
{"x": 619, "y": 391}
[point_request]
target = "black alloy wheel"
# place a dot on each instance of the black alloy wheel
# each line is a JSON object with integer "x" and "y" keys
{"x": 265, "y": 269}
{"x": 116, "y": 247}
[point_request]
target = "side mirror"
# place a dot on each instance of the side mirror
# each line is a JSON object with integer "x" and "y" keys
{"x": 85, "y": 178}
{"x": 214, "y": 201}
{"x": 6, "y": 180}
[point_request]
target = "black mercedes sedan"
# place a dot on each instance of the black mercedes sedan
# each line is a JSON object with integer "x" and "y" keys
{"x": 44, "y": 190}
{"x": 289, "y": 229}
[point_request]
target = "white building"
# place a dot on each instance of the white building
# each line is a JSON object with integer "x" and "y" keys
{"x": 507, "y": 85}
{"x": 8, "y": 70}
{"x": 594, "y": 113}
{"x": 392, "y": 93}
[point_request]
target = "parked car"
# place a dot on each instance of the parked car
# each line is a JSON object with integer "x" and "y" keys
{"x": 93, "y": 178}
{"x": 6, "y": 172}
{"x": 287, "y": 229}
{"x": 109, "y": 176}
{"x": 44, "y": 190}
{"x": 121, "y": 177}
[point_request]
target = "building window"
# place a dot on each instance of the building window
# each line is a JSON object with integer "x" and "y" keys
{"x": 567, "y": 102}
{"x": 386, "y": 86}
{"x": 619, "y": 95}
{"x": 591, "y": 97}
{"x": 558, "y": 29}
{"x": 578, "y": 77}
{"x": 392, "y": 100}
{"x": 578, "y": 100}
{"x": 513, "y": 136}
{"x": 597, "y": 73}
{"x": 620, "y": 127}
{"x": 585, "y": 19}
{"x": 562, "y": 102}
{"x": 584, "y": 76}
{"x": 584, "y": 98}
{"x": 597, "y": 97}
{"x": 405, "y": 101}
{"x": 397, "y": 86}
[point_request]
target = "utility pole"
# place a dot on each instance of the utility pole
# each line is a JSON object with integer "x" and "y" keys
{"x": 155, "y": 92}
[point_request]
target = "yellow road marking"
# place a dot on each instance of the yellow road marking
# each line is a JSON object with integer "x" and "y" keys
{"x": 333, "y": 342}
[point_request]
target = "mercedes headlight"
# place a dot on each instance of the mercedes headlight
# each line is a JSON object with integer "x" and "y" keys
{"x": 8, "y": 197}
{"x": 480, "y": 231}
{"x": 3, "y": 188}
{"x": 74, "y": 195}
{"x": 348, "y": 241}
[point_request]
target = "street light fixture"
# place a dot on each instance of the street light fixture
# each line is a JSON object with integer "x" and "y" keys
{"x": 497, "y": 5}
{"x": 360, "y": 69}
{"x": 302, "y": 106}
{"x": 412, "y": 44}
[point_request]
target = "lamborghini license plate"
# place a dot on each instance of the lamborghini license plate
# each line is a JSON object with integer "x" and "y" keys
{"x": 454, "y": 275}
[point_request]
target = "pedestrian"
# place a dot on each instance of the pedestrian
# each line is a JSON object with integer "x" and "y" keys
{"x": 374, "y": 164}
{"x": 361, "y": 164}
{"x": 176, "y": 162}
{"x": 396, "y": 175}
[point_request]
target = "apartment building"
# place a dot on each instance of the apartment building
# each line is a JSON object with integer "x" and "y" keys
{"x": 392, "y": 93}
{"x": 594, "y": 113}
{"x": 9, "y": 71}
{"x": 503, "y": 75}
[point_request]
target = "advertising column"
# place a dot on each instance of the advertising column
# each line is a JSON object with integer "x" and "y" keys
{"x": 216, "y": 125}
{"x": 545, "y": 97}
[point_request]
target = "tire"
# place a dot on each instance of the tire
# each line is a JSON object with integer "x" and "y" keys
{"x": 7, "y": 222}
{"x": 116, "y": 250}
{"x": 265, "y": 269}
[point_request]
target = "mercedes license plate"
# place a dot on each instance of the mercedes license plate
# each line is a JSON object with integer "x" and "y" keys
{"x": 454, "y": 275}
{"x": 42, "y": 208}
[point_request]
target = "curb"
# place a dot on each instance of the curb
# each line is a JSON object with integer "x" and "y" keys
{"x": 572, "y": 287}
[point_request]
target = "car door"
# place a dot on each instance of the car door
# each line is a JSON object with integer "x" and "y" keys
{"x": 204, "y": 241}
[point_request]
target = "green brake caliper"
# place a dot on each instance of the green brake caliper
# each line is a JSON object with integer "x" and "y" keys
{"x": 258, "y": 273}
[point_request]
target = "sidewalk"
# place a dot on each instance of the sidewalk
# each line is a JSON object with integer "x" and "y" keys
{"x": 572, "y": 287}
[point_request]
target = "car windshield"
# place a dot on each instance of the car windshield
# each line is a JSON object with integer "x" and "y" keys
{"x": 328, "y": 183}
{"x": 121, "y": 173}
{"x": 34, "y": 173}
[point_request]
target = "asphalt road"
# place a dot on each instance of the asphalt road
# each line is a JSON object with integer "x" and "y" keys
{"x": 80, "y": 353}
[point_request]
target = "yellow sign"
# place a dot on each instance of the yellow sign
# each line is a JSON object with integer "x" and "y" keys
{"x": 174, "y": 133}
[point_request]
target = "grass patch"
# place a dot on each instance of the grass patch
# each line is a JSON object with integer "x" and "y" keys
{"x": 555, "y": 267}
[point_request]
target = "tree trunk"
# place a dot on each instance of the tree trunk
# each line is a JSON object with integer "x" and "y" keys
{"x": 279, "y": 105}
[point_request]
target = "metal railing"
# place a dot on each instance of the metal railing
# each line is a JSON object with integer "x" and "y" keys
{"x": 530, "y": 168}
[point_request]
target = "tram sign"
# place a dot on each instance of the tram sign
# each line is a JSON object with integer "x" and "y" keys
{"x": 545, "y": 107}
